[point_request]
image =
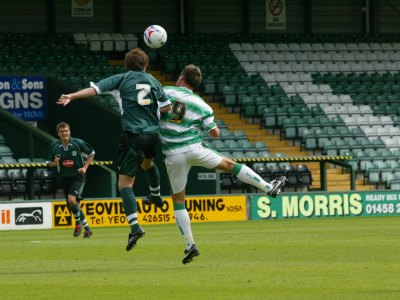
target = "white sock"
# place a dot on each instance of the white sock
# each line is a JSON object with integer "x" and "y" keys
{"x": 183, "y": 221}
{"x": 248, "y": 176}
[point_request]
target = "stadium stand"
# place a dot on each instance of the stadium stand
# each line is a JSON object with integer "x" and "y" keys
{"x": 14, "y": 183}
{"x": 323, "y": 93}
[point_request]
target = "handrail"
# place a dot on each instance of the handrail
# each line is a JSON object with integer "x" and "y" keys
{"x": 44, "y": 165}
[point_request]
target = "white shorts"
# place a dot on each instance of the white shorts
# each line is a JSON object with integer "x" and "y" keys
{"x": 178, "y": 165}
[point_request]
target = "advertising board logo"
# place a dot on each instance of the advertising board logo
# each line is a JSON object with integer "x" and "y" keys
{"x": 5, "y": 216}
{"x": 62, "y": 216}
{"x": 28, "y": 215}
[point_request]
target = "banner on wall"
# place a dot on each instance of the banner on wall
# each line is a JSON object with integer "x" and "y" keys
{"x": 275, "y": 14}
{"x": 32, "y": 215}
{"x": 109, "y": 212}
{"x": 24, "y": 97}
{"x": 326, "y": 205}
{"x": 82, "y": 8}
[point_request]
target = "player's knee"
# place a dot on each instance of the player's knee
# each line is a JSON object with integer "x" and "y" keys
{"x": 147, "y": 164}
{"x": 226, "y": 164}
{"x": 71, "y": 200}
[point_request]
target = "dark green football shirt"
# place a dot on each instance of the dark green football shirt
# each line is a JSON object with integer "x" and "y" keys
{"x": 139, "y": 96}
{"x": 72, "y": 157}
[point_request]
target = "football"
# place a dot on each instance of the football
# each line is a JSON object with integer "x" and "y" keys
{"x": 155, "y": 36}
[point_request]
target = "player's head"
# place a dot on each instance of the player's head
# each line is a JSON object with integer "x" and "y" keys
{"x": 136, "y": 60}
{"x": 63, "y": 131}
{"x": 191, "y": 75}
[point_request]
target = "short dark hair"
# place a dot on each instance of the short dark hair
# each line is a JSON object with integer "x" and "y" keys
{"x": 136, "y": 59}
{"x": 62, "y": 125}
{"x": 192, "y": 75}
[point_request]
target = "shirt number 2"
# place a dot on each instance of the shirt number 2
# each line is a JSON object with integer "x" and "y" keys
{"x": 144, "y": 90}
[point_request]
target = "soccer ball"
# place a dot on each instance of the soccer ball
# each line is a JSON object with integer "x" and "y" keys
{"x": 155, "y": 36}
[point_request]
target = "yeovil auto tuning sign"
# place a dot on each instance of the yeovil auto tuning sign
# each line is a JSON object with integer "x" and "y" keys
{"x": 110, "y": 212}
{"x": 24, "y": 96}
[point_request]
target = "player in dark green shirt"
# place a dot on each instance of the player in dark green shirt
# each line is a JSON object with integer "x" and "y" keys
{"x": 141, "y": 99}
{"x": 72, "y": 157}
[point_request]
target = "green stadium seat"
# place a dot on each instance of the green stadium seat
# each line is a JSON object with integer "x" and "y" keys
{"x": 239, "y": 135}
{"x": 269, "y": 117}
{"x": 2, "y": 141}
{"x": 5, "y": 151}
{"x": 230, "y": 96}
{"x": 226, "y": 134}
{"x": 247, "y": 146}
{"x": 309, "y": 140}
{"x": 249, "y": 109}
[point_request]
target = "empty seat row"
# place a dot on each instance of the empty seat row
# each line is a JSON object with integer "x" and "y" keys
{"x": 107, "y": 41}
{"x": 313, "y": 67}
{"x": 296, "y": 176}
{"x": 366, "y": 120}
{"x": 15, "y": 183}
{"x": 237, "y": 145}
{"x": 331, "y": 56}
{"x": 285, "y": 47}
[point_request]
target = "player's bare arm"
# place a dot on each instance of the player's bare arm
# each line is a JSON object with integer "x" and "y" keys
{"x": 54, "y": 163}
{"x": 165, "y": 108}
{"x": 214, "y": 133}
{"x": 65, "y": 99}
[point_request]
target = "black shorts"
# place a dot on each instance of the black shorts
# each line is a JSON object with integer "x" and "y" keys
{"x": 73, "y": 185}
{"x": 133, "y": 148}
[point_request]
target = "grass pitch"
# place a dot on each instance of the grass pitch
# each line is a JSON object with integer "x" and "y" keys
{"x": 337, "y": 258}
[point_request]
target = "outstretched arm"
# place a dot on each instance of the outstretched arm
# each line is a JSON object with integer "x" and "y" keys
{"x": 66, "y": 99}
{"x": 165, "y": 108}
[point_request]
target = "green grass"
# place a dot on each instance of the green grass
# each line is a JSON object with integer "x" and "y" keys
{"x": 349, "y": 258}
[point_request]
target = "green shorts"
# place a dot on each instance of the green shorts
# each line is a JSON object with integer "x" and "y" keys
{"x": 133, "y": 148}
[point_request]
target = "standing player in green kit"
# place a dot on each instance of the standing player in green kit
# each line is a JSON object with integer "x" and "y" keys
{"x": 141, "y": 99}
{"x": 72, "y": 157}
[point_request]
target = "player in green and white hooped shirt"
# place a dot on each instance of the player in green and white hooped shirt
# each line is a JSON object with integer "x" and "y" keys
{"x": 141, "y": 98}
{"x": 182, "y": 145}
{"x": 72, "y": 157}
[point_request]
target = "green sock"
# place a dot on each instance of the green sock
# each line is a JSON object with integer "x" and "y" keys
{"x": 130, "y": 207}
{"x": 75, "y": 209}
{"x": 153, "y": 178}
{"x": 236, "y": 169}
{"x": 83, "y": 220}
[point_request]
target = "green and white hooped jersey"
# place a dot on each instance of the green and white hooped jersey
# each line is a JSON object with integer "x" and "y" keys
{"x": 179, "y": 126}
{"x": 139, "y": 96}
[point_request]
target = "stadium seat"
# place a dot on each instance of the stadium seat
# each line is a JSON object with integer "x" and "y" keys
{"x": 19, "y": 182}
{"x": 48, "y": 182}
{"x": 276, "y": 171}
{"x": 291, "y": 174}
{"x": 2, "y": 141}
{"x": 5, "y": 151}
{"x": 6, "y": 187}
{"x": 230, "y": 96}
{"x": 305, "y": 176}
{"x": 226, "y": 181}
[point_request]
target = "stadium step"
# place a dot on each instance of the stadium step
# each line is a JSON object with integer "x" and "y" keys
{"x": 337, "y": 180}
